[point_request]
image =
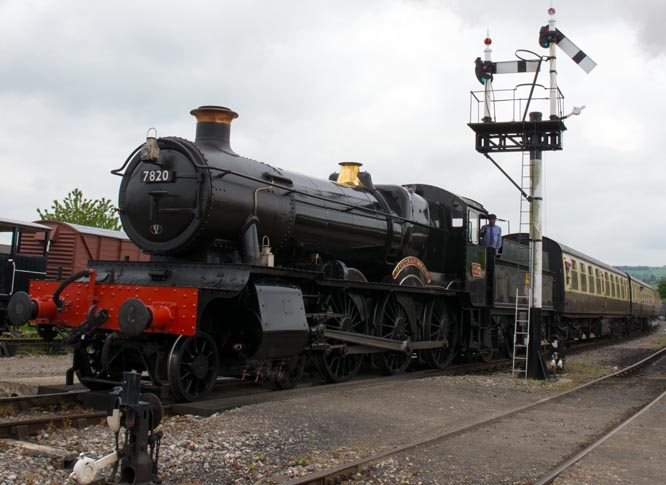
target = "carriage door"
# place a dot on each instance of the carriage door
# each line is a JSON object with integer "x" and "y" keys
{"x": 476, "y": 260}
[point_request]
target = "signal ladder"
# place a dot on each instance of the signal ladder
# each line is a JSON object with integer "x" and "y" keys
{"x": 521, "y": 335}
{"x": 525, "y": 205}
{"x": 524, "y": 226}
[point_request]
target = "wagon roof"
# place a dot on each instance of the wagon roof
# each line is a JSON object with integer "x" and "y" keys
{"x": 93, "y": 231}
{"x": 10, "y": 224}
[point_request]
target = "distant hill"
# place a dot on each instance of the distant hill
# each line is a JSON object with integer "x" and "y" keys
{"x": 649, "y": 274}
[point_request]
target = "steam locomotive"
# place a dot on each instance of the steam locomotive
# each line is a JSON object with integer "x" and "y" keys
{"x": 257, "y": 271}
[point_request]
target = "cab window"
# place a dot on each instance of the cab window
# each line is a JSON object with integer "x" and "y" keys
{"x": 473, "y": 226}
{"x": 457, "y": 215}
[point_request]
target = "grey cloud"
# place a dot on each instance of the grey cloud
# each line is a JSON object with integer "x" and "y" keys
{"x": 648, "y": 18}
{"x": 383, "y": 82}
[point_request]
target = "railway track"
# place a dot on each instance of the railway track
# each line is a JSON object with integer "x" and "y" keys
{"x": 343, "y": 472}
{"x": 233, "y": 394}
{"x": 58, "y": 409}
{"x": 246, "y": 394}
{"x": 10, "y": 346}
{"x": 24, "y": 428}
{"x": 565, "y": 465}
{"x": 593, "y": 343}
{"x": 241, "y": 394}
{"x": 41, "y": 400}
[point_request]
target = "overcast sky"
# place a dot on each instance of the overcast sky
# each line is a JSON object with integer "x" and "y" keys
{"x": 381, "y": 82}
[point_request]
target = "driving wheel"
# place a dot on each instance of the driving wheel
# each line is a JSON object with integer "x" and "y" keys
{"x": 392, "y": 321}
{"x": 335, "y": 364}
{"x": 440, "y": 327}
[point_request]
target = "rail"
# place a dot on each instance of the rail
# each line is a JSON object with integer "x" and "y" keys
{"x": 332, "y": 475}
{"x": 24, "y": 428}
{"x": 556, "y": 471}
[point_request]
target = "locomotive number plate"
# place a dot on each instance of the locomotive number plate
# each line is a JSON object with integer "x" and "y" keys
{"x": 155, "y": 176}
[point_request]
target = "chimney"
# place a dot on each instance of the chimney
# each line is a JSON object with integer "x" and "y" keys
{"x": 214, "y": 126}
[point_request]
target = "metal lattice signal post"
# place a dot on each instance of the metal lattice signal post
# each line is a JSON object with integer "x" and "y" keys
{"x": 533, "y": 135}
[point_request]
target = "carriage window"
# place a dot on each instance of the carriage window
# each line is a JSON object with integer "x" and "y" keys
{"x": 574, "y": 274}
{"x": 473, "y": 226}
{"x": 600, "y": 282}
{"x": 607, "y": 284}
{"x": 613, "y": 286}
{"x": 590, "y": 271}
{"x": 583, "y": 278}
{"x": 612, "y": 281}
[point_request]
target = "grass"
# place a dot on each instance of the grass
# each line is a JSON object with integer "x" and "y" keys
{"x": 27, "y": 331}
{"x": 579, "y": 372}
{"x": 302, "y": 460}
{"x": 649, "y": 274}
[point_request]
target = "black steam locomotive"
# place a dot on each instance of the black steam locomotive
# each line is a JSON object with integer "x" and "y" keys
{"x": 257, "y": 271}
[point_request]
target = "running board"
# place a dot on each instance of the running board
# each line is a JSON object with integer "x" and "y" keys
{"x": 406, "y": 346}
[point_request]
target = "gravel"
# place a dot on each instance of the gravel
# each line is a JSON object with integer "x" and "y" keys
{"x": 272, "y": 442}
{"x": 35, "y": 365}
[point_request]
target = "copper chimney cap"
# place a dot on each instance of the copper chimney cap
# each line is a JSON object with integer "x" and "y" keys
{"x": 214, "y": 114}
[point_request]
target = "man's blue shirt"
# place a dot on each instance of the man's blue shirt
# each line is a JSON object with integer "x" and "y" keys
{"x": 489, "y": 232}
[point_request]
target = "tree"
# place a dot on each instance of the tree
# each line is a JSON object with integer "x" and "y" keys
{"x": 78, "y": 210}
{"x": 661, "y": 288}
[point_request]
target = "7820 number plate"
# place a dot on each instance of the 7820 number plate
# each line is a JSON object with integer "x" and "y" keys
{"x": 156, "y": 176}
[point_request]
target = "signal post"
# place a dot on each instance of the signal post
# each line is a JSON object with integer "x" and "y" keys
{"x": 533, "y": 135}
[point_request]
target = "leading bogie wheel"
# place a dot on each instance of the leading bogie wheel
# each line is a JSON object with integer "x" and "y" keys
{"x": 192, "y": 367}
{"x": 89, "y": 367}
